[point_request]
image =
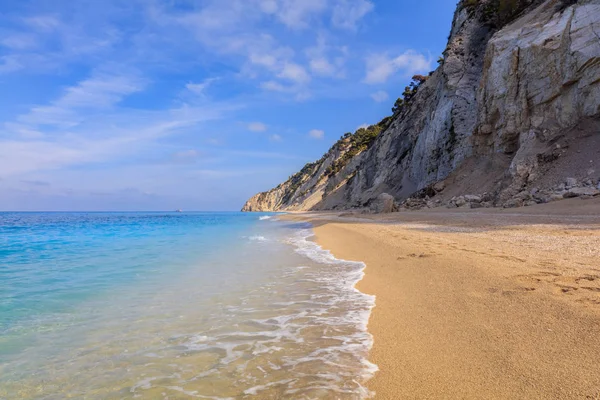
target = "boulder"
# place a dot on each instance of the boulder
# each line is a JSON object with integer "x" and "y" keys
{"x": 439, "y": 186}
{"x": 460, "y": 201}
{"x": 583, "y": 191}
{"x": 570, "y": 182}
{"x": 384, "y": 203}
{"x": 513, "y": 203}
{"x": 471, "y": 198}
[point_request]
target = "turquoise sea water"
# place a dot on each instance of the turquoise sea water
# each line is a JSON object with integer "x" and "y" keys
{"x": 168, "y": 305}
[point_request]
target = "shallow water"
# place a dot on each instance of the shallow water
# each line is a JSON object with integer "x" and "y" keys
{"x": 198, "y": 305}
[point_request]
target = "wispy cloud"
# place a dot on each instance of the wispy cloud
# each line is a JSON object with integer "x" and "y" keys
{"x": 257, "y": 127}
{"x": 298, "y": 14}
{"x": 19, "y": 41}
{"x": 10, "y": 64}
{"x": 380, "y": 96}
{"x": 101, "y": 91}
{"x": 43, "y": 23}
{"x": 327, "y": 61}
{"x": 200, "y": 88}
{"x": 380, "y": 67}
{"x": 87, "y": 129}
{"x": 316, "y": 134}
{"x": 294, "y": 73}
{"x": 346, "y": 13}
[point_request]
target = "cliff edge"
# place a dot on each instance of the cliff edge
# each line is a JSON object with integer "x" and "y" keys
{"x": 511, "y": 117}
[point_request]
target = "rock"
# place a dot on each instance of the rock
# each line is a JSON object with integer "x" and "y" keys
{"x": 523, "y": 195}
{"x": 584, "y": 191}
{"x": 439, "y": 186}
{"x": 556, "y": 196}
{"x": 529, "y": 203}
{"x": 384, "y": 203}
{"x": 512, "y": 203}
{"x": 570, "y": 182}
{"x": 486, "y": 204}
{"x": 543, "y": 199}
{"x": 472, "y": 198}
{"x": 487, "y": 197}
{"x": 460, "y": 201}
{"x": 475, "y": 205}
{"x": 561, "y": 186}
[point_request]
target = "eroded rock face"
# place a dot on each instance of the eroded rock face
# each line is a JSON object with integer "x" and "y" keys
{"x": 541, "y": 77}
{"x": 515, "y": 91}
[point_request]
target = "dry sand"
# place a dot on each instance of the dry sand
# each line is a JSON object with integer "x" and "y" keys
{"x": 479, "y": 304}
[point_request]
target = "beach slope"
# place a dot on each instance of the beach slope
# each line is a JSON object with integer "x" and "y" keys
{"x": 473, "y": 304}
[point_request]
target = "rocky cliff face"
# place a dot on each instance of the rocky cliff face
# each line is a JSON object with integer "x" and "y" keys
{"x": 514, "y": 109}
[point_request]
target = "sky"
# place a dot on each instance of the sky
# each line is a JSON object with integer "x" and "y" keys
{"x": 193, "y": 104}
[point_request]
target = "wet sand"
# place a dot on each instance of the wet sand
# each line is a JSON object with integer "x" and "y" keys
{"x": 479, "y": 304}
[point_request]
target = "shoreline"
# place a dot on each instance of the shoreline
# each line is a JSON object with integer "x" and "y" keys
{"x": 471, "y": 304}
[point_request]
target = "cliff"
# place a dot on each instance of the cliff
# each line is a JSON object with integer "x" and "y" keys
{"x": 510, "y": 117}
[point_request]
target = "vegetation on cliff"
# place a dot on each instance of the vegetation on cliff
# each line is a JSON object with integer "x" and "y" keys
{"x": 498, "y": 13}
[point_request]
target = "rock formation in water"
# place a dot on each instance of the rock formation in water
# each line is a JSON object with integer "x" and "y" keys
{"x": 511, "y": 117}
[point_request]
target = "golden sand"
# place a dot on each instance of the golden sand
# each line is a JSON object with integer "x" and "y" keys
{"x": 490, "y": 304}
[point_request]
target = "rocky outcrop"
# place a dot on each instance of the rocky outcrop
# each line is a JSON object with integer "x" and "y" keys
{"x": 513, "y": 108}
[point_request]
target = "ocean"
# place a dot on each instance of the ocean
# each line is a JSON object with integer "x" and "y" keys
{"x": 177, "y": 306}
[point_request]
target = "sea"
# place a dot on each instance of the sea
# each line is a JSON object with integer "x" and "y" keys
{"x": 164, "y": 305}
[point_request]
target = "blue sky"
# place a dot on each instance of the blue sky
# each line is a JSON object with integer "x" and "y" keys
{"x": 193, "y": 104}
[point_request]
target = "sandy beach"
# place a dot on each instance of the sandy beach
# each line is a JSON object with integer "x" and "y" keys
{"x": 479, "y": 304}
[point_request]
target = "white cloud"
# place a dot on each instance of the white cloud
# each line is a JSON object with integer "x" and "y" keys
{"x": 9, "y": 64}
{"x": 380, "y": 66}
{"x": 268, "y": 6}
{"x": 81, "y": 127}
{"x": 380, "y": 96}
{"x": 299, "y": 92}
{"x": 19, "y": 41}
{"x": 101, "y": 91}
{"x": 316, "y": 134}
{"x": 199, "y": 88}
{"x": 257, "y": 127}
{"x": 298, "y": 14}
{"x": 43, "y": 22}
{"x": 275, "y": 138}
{"x": 101, "y": 139}
{"x": 185, "y": 156}
{"x": 265, "y": 60}
{"x": 322, "y": 66}
{"x": 363, "y": 126}
{"x": 294, "y": 72}
{"x": 275, "y": 87}
{"x": 346, "y": 13}
{"x": 325, "y": 60}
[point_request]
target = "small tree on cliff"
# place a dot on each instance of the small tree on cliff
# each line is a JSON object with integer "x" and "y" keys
{"x": 398, "y": 105}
